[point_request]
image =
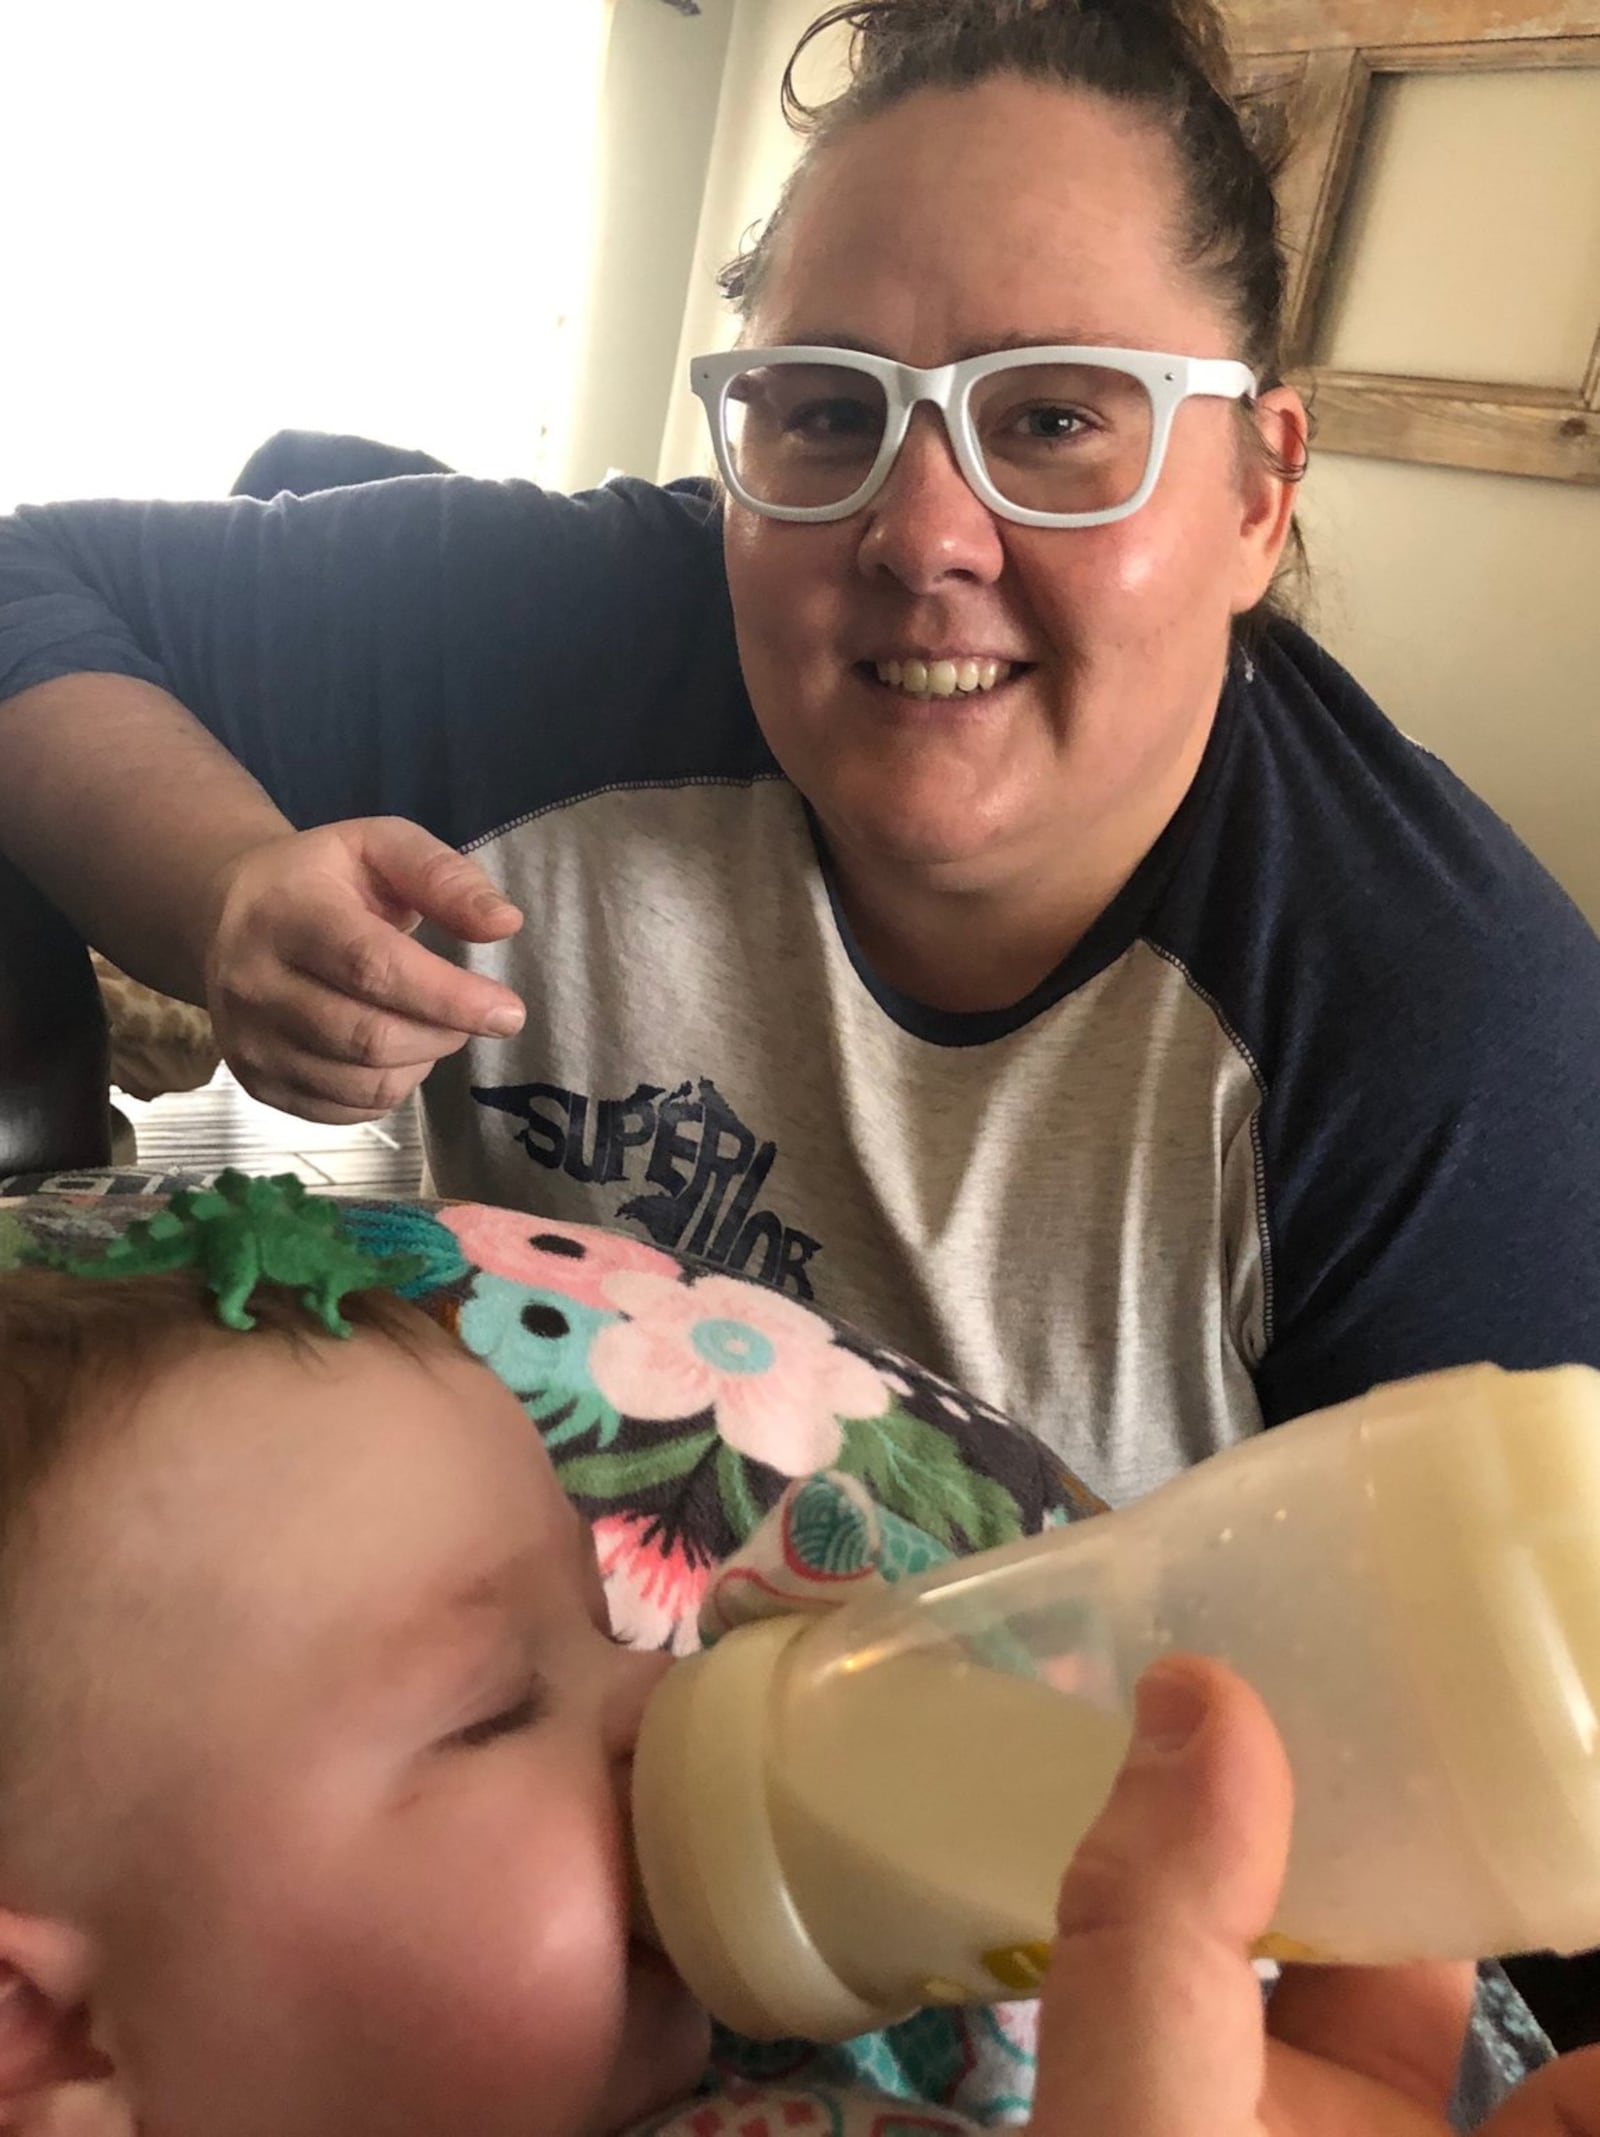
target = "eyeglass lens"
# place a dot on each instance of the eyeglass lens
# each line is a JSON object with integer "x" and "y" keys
{"x": 1053, "y": 437}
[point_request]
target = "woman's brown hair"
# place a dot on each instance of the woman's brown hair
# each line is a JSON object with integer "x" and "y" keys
{"x": 1166, "y": 59}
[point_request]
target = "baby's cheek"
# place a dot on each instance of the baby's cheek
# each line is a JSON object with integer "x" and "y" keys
{"x": 529, "y": 2044}
{"x": 618, "y": 2034}
{"x": 563, "y": 1979}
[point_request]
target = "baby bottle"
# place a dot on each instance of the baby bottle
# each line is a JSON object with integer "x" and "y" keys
{"x": 840, "y": 1819}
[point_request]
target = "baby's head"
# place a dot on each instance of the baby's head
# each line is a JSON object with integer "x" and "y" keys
{"x": 313, "y": 1740}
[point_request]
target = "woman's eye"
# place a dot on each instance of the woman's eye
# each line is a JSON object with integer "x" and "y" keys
{"x": 507, "y": 1722}
{"x": 832, "y": 420}
{"x": 1052, "y": 422}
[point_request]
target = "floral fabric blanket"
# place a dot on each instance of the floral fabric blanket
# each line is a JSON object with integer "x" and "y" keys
{"x": 677, "y": 1403}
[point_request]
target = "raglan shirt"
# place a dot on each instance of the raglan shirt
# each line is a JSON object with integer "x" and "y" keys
{"x": 1311, "y": 1107}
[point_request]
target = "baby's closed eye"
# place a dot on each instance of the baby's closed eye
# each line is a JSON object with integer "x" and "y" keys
{"x": 505, "y": 1721}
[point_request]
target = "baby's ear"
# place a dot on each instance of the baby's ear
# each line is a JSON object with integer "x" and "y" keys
{"x": 44, "y": 2013}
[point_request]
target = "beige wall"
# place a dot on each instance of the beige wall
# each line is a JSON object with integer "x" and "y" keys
{"x": 1471, "y": 245}
{"x": 694, "y": 151}
{"x": 1470, "y": 604}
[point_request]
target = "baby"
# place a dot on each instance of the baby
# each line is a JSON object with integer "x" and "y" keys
{"x": 314, "y": 1740}
{"x": 316, "y": 1743}
{"x": 315, "y": 1749}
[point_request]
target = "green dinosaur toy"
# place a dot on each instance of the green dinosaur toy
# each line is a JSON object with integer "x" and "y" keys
{"x": 240, "y": 1232}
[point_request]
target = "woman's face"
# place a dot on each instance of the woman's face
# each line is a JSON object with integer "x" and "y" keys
{"x": 957, "y": 223}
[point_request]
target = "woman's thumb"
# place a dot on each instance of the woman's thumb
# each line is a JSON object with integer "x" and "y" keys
{"x": 1151, "y": 2016}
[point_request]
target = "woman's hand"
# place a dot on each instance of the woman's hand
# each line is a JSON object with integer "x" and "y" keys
{"x": 1153, "y": 2023}
{"x": 323, "y": 1005}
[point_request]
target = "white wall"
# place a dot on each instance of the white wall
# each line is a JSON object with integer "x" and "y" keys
{"x": 752, "y": 154}
{"x": 663, "y": 81}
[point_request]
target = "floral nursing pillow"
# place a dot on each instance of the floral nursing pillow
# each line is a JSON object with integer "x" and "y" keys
{"x": 677, "y": 1402}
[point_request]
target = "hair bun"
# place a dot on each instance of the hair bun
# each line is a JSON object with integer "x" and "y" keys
{"x": 887, "y": 32}
{"x": 1201, "y": 26}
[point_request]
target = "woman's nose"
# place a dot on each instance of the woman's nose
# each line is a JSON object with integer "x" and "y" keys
{"x": 927, "y": 525}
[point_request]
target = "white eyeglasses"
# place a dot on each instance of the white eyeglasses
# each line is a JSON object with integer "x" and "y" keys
{"x": 1047, "y": 437}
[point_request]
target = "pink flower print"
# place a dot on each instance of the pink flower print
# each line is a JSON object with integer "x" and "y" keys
{"x": 570, "y": 1259}
{"x": 653, "y": 1590}
{"x": 771, "y": 1373}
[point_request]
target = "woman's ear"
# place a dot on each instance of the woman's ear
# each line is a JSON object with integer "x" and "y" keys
{"x": 1271, "y": 474}
{"x": 45, "y": 1970}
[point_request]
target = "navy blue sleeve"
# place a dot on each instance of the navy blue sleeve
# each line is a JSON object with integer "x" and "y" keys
{"x": 1422, "y": 1003}
{"x": 1439, "y": 1202}
{"x": 463, "y": 653}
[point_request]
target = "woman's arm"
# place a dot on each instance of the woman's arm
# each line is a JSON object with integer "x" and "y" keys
{"x": 408, "y": 666}
{"x": 171, "y": 857}
{"x": 126, "y": 813}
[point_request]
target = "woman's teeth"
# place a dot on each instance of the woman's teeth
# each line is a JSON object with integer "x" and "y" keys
{"x": 942, "y": 678}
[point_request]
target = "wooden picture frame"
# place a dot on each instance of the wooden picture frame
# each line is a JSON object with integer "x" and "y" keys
{"x": 1319, "y": 60}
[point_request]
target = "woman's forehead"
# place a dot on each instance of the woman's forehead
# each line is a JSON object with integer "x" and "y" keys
{"x": 965, "y": 220}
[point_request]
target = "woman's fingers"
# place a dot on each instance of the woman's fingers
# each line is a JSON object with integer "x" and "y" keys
{"x": 310, "y": 1017}
{"x": 323, "y": 1002}
{"x": 370, "y": 963}
{"x": 338, "y": 904}
{"x": 1562, "y": 2100}
{"x": 314, "y": 1088}
{"x": 1404, "y": 2026}
{"x": 419, "y": 873}
{"x": 309, "y": 1049}
{"x": 1151, "y": 2011}
{"x": 324, "y": 958}
{"x": 1152, "y": 2015}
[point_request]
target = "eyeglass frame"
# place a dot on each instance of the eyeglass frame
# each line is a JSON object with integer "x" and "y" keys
{"x": 1168, "y": 380}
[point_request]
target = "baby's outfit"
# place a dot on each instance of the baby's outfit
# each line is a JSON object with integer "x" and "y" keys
{"x": 740, "y": 2110}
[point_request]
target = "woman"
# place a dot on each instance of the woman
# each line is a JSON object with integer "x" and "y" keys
{"x": 1065, "y": 972}
{"x": 949, "y": 891}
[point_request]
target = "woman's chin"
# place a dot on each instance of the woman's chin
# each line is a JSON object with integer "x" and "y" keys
{"x": 926, "y": 827}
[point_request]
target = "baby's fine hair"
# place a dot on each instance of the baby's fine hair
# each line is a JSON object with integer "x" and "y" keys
{"x": 76, "y": 1352}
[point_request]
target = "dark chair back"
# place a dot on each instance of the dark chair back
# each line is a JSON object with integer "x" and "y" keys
{"x": 54, "y": 1064}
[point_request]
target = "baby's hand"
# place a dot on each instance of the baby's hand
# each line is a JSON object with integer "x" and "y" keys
{"x": 323, "y": 1005}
